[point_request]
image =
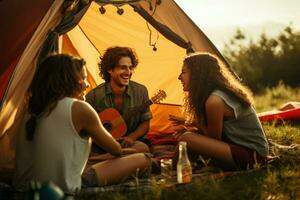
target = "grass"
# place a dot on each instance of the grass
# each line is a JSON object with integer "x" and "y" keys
{"x": 273, "y": 98}
{"x": 280, "y": 180}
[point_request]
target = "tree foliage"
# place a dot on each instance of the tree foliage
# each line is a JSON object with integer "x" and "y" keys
{"x": 265, "y": 62}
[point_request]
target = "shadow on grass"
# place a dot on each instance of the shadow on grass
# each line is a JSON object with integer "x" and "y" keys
{"x": 276, "y": 181}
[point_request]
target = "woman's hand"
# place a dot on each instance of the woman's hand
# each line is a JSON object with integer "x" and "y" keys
{"x": 179, "y": 130}
{"x": 108, "y": 156}
{"x": 176, "y": 121}
{"x": 126, "y": 141}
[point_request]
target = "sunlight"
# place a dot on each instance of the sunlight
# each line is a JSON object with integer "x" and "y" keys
{"x": 219, "y": 19}
{"x": 241, "y": 12}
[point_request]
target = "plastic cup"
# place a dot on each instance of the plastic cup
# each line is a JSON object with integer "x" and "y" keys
{"x": 166, "y": 168}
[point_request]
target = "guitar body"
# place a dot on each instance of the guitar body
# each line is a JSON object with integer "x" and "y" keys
{"x": 113, "y": 122}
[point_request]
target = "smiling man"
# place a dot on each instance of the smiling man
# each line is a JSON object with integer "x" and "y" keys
{"x": 129, "y": 98}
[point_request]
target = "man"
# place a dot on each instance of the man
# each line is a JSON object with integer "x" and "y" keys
{"x": 119, "y": 92}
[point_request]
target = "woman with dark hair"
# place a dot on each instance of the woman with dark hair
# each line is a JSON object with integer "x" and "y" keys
{"x": 55, "y": 139}
{"x": 220, "y": 110}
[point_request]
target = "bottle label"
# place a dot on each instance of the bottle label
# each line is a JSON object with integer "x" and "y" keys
{"x": 184, "y": 175}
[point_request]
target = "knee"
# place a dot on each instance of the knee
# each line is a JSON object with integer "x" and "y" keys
{"x": 141, "y": 147}
{"x": 142, "y": 161}
{"x": 144, "y": 148}
{"x": 185, "y": 137}
{"x": 143, "y": 165}
{"x": 146, "y": 159}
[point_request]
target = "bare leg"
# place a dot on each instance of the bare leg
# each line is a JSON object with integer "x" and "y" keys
{"x": 118, "y": 169}
{"x": 140, "y": 147}
{"x": 210, "y": 147}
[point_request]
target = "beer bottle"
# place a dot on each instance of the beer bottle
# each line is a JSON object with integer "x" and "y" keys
{"x": 184, "y": 169}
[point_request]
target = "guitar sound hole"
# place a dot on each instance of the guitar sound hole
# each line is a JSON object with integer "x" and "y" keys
{"x": 108, "y": 126}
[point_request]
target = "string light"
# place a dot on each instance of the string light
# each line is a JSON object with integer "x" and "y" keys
{"x": 102, "y": 10}
{"x": 120, "y": 11}
{"x": 119, "y": 3}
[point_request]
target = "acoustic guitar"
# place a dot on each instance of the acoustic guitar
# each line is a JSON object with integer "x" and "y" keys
{"x": 115, "y": 123}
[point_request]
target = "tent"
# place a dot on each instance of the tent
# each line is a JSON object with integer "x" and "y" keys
{"x": 159, "y": 31}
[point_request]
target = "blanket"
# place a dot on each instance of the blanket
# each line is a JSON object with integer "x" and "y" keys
{"x": 289, "y": 111}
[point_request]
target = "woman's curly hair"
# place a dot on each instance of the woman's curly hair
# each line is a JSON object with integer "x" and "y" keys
{"x": 208, "y": 73}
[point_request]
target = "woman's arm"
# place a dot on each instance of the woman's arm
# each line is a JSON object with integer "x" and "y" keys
{"x": 214, "y": 109}
{"x": 108, "y": 156}
{"x": 85, "y": 118}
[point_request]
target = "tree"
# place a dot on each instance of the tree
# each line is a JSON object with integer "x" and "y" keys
{"x": 267, "y": 61}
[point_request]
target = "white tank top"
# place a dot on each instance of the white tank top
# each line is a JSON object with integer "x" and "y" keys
{"x": 57, "y": 153}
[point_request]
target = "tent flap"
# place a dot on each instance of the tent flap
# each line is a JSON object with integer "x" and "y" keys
{"x": 87, "y": 33}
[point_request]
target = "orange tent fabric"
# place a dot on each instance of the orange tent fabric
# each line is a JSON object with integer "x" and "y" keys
{"x": 22, "y": 36}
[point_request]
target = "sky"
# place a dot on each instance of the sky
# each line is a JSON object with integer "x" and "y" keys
{"x": 219, "y": 18}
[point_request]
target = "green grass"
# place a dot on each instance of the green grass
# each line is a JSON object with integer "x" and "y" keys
{"x": 280, "y": 180}
{"x": 273, "y": 98}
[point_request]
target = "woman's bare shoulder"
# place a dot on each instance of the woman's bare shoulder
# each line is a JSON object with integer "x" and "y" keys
{"x": 83, "y": 108}
{"x": 214, "y": 101}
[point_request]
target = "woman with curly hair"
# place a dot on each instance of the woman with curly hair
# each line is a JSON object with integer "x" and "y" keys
{"x": 226, "y": 127}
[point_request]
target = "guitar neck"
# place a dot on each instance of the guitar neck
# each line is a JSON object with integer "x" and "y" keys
{"x": 136, "y": 110}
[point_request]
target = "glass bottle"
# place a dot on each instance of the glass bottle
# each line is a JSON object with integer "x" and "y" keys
{"x": 184, "y": 169}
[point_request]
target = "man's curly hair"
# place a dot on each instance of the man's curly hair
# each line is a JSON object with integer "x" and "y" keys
{"x": 111, "y": 58}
